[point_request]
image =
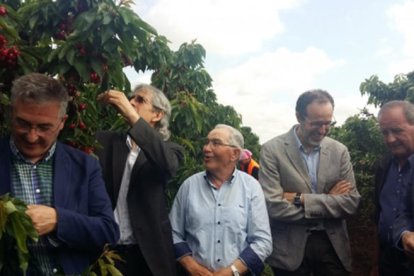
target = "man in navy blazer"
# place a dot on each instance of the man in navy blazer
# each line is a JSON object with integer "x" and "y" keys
{"x": 62, "y": 186}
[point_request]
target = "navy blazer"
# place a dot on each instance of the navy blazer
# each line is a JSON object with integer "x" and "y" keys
{"x": 84, "y": 213}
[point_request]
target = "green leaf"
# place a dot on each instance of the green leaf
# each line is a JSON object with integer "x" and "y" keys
{"x": 114, "y": 271}
{"x": 19, "y": 233}
{"x": 82, "y": 69}
{"x": 70, "y": 57}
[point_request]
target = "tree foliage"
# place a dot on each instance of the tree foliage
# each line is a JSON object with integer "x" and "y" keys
{"x": 379, "y": 93}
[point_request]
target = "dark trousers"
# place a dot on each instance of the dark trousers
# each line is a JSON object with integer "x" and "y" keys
{"x": 393, "y": 262}
{"x": 133, "y": 263}
{"x": 320, "y": 259}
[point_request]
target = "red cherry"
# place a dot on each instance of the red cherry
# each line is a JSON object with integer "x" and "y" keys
{"x": 3, "y": 10}
{"x": 82, "y": 106}
{"x": 82, "y": 125}
{"x": 94, "y": 77}
{"x": 82, "y": 51}
{"x": 72, "y": 126}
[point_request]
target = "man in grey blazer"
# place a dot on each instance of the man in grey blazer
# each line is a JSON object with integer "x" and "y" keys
{"x": 309, "y": 185}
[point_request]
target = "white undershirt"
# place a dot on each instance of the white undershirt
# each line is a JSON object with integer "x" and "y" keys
{"x": 121, "y": 211}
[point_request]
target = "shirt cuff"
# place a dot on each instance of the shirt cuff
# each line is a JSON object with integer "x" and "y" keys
{"x": 252, "y": 261}
{"x": 181, "y": 249}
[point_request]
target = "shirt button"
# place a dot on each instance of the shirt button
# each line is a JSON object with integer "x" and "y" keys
{"x": 54, "y": 270}
{"x": 218, "y": 222}
{"x": 218, "y": 260}
{"x": 37, "y": 191}
{"x": 219, "y": 204}
{"x": 218, "y": 241}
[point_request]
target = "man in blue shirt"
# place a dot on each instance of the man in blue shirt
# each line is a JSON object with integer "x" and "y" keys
{"x": 219, "y": 218}
{"x": 396, "y": 121}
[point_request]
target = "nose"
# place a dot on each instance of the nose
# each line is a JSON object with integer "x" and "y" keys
{"x": 323, "y": 129}
{"x": 389, "y": 138}
{"x": 31, "y": 135}
{"x": 207, "y": 147}
{"x": 132, "y": 100}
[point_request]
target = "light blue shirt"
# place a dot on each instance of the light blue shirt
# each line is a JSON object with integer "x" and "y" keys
{"x": 217, "y": 226}
{"x": 312, "y": 162}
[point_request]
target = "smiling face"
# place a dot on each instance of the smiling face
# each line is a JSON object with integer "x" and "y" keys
{"x": 398, "y": 133}
{"x": 316, "y": 124}
{"x": 219, "y": 156}
{"x": 35, "y": 127}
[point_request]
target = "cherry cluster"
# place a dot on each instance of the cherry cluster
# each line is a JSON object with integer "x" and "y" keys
{"x": 8, "y": 55}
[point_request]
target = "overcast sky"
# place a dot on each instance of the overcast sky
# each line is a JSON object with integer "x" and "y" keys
{"x": 263, "y": 54}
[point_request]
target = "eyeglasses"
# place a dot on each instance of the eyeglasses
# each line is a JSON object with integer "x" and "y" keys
{"x": 215, "y": 143}
{"x": 316, "y": 124}
{"x": 138, "y": 99}
{"x": 42, "y": 129}
{"x": 141, "y": 100}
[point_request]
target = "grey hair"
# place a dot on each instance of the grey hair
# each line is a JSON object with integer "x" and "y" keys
{"x": 235, "y": 138}
{"x": 159, "y": 103}
{"x": 406, "y": 107}
{"x": 39, "y": 88}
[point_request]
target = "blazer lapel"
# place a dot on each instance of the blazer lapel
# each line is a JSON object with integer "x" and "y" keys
{"x": 324, "y": 165}
{"x": 120, "y": 155}
{"x": 295, "y": 157}
{"x": 61, "y": 177}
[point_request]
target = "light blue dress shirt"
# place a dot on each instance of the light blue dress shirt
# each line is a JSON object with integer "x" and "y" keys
{"x": 312, "y": 162}
{"x": 217, "y": 226}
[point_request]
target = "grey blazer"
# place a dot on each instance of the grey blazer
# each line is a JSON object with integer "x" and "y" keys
{"x": 282, "y": 169}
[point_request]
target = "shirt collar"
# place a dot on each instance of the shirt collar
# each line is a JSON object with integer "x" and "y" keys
{"x": 129, "y": 142}
{"x": 20, "y": 156}
{"x": 229, "y": 180}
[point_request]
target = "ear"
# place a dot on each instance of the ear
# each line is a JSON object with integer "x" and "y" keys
{"x": 62, "y": 123}
{"x": 157, "y": 117}
{"x": 236, "y": 155}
